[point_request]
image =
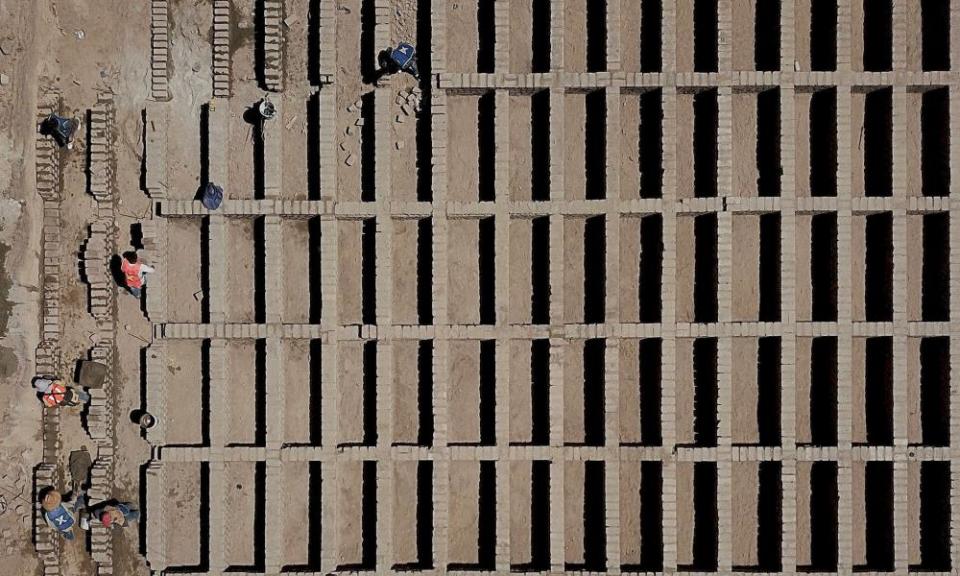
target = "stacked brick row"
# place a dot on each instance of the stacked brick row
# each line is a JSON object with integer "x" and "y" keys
{"x": 101, "y": 246}
{"x": 327, "y": 48}
{"x": 152, "y": 231}
{"x": 96, "y": 262}
{"x": 221, "y": 48}
{"x": 156, "y": 539}
{"x": 273, "y": 45}
{"x": 101, "y": 169}
{"x": 49, "y": 184}
{"x": 155, "y": 149}
{"x": 746, "y": 79}
{"x": 46, "y": 541}
{"x": 101, "y": 481}
{"x": 159, "y": 46}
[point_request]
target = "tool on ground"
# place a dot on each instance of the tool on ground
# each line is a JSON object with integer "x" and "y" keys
{"x": 266, "y": 109}
{"x": 147, "y": 421}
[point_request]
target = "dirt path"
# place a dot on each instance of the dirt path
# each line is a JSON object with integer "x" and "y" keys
{"x": 20, "y": 218}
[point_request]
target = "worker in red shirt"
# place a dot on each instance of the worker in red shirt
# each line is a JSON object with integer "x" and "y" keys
{"x": 134, "y": 273}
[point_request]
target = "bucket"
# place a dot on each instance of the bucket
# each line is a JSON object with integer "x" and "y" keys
{"x": 147, "y": 421}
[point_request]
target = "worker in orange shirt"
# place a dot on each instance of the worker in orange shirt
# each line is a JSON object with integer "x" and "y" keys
{"x": 134, "y": 273}
{"x": 53, "y": 393}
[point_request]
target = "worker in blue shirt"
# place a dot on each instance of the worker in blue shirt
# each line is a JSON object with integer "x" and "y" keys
{"x": 58, "y": 515}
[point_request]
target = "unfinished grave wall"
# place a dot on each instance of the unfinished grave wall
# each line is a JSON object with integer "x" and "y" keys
{"x": 645, "y": 287}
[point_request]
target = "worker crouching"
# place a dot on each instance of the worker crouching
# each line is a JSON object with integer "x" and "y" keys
{"x": 116, "y": 515}
{"x": 58, "y": 514}
{"x": 54, "y": 393}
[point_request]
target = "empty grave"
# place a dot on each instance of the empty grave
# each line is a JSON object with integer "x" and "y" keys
{"x": 817, "y": 516}
{"x": 245, "y": 363}
{"x": 302, "y": 534}
{"x": 471, "y": 394}
{"x": 530, "y": 36}
{"x": 584, "y": 130}
{"x": 186, "y": 289}
{"x": 530, "y": 146}
{"x": 641, "y": 516}
{"x": 641, "y": 131}
{"x": 302, "y": 396}
{"x": 530, "y": 392}
{"x": 697, "y": 516}
{"x": 756, "y": 143}
{"x": 244, "y": 484}
{"x": 529, "y": 270}
{"x": 928, "y": 516}
{"x": 584, "y": 534}
{"x": 641, "y": 392}
{"x": 187, "y": 521}
{"x": 756, "y": 377}
{"x": 187, "y": 366}
{"x": 412, "y": 522}
{"x": 757, "y": 494}
{"x": 816, "y": 34}
{"x": 641, "y": 269}
{"x": 641, "y": 36}
{"x": 472, "y": 520}
{"x": 530, "y": 515}
{"x": 301, "y": 251}
{"x": 583, "y": 392}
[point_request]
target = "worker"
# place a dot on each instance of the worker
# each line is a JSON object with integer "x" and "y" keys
{"x": 134, "y": 273}
{"x": 53, "y": 392}
{"x": 57, "y": 515}
{"x": 61, "y": 129}
{"x": 116, "y": 515}
{"x": 403, "y": 58}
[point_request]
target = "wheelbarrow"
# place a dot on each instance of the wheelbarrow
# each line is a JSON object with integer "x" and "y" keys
{"x": 80, "y": 464}
{"x": 92, "y": 374}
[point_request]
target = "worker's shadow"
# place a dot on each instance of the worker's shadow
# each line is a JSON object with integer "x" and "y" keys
{"x": 385, "y": 66}
{"x": 115, "y": 271}
{"x": 252, "y": 117}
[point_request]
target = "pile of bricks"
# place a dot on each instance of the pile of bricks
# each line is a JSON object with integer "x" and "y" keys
{"x": 221, "y": 48}
{"x": 159, "y": 43}
{"x": 273, "y": 45}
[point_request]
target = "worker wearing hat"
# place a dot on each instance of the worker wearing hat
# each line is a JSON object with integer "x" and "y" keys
{"x": 57, "y": 515}
{"x": 53, "y": 392}
{"x": 116, "y": 515}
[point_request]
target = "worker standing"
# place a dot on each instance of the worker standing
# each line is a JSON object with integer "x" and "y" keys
{"x": 134, "y": 273}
